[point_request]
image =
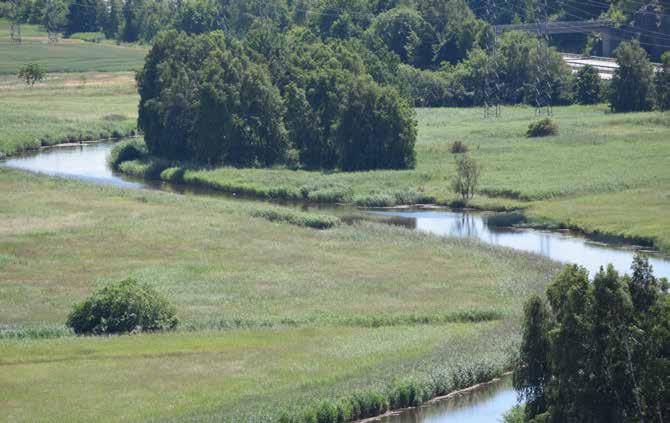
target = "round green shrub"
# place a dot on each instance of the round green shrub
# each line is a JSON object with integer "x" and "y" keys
{"x": 123, "y": 307}
{"x": 127, "y": 150}
{"x": 542, "y": 128}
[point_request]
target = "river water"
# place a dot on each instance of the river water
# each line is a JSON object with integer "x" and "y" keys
{"x": 89, "y": 163}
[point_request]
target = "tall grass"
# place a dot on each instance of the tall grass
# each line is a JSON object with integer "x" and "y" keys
{"x": 395, "y": 396}
{"x": 293, "y": 217}
{"x": 56, "y": 112}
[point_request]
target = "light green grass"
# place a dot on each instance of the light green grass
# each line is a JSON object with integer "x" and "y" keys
{"x": 66, "y": 55}
{"x": 65, "y": 108}
{"x": 640, "y": 215}
{"x": 222, "y": 376}
{"x": 62, "y": 239}
{"x": 218, "y": 262}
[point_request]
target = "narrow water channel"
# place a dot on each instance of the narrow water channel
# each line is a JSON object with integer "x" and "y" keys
{"x": 486, "y": 404}
{"x": 89, "y": 163}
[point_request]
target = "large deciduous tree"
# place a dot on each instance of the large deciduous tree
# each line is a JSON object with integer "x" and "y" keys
{"x": 407, "y": 34}
{"x": 632, "y": 88}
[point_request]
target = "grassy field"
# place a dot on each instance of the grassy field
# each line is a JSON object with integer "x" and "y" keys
{"x": 65, "y": 55}
{"x": 308, "y": 313}
{"x": 598, "y": 159}
{"x": 65, "y": 108}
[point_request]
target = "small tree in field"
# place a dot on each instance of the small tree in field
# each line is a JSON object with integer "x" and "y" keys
{"x": 31, "y": 73}
{"x": 588, "y": 85}
{"x": 466, "y": 179}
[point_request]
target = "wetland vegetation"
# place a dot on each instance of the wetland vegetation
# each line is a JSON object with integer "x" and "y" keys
{"x": 234, "y": 311}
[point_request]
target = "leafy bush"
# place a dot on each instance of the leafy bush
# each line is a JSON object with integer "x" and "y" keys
{"x": 149, "y": 168}
{"x": 515, "y": 415}
{"x": 458, "y": 147}
{"x": 123, "y": 307}
{"x": 125, "y": 151}
{"x": 31, "y": 73}
{"x": 311, "y": 220}
{"x": 173, "y": 174}
{"x": 542, "y": 128}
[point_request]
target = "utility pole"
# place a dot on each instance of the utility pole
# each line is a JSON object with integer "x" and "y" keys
{"x": 492, "y": 85}
{"x": 543, "y": 89}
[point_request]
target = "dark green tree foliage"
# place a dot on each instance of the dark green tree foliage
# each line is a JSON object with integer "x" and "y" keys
{"x": 239, "y": 113}
{"x": 517, "y": 71}
{"x": 83, "y": 16}
{"x": 123, "y": 307}
{"x": 608, "y": 355}
{"x": 663, "y": 83}
{"x": 54, "y": 17}
{"x": 632, "y": 88}
{"x": 531, "y": 375}
{"x": 588, "y": 85}
{"x": 341, "y": 18}
{"x": 457, "y": 28}
{"x": 212, "y": 99}
{"x": 375, "y": 128}
{"x": 407, "y": 34}
{"x": 132, "y": 12}
{"x": 197, "y": 16}
{"x": 113, "y": 24}
{"x": 202, "y": 98}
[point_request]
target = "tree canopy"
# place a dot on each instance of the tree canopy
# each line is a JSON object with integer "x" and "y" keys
{"x": 598, "y": 351}
{"x": 215, "y": 99}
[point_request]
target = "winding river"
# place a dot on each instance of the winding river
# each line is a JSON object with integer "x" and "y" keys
{"x": 488, "y": 404}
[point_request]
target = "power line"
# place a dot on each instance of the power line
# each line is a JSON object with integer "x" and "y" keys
{"x": 579, "y": 29}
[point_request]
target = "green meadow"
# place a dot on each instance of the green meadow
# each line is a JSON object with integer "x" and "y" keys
{"x": 66, "y": 108}
{"x": 282, "y": 310}
{"x": 66, "y": 55}
{"x": 274, "y": 316}
{"x": 598, "y": 160}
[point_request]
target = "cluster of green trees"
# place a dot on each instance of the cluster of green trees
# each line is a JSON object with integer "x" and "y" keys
{"x": 271, "y": 98}
{"x": 598, "y": 351}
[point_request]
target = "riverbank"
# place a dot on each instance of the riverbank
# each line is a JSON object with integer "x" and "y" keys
{"x": 61, "y": 239}
{"x": 437, "y": 400}
{"x": 66, "y": 108}
{"x": 600, "y": 162}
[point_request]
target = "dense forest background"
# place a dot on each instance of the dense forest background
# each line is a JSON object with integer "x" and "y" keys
{"x": 435, "y": 52}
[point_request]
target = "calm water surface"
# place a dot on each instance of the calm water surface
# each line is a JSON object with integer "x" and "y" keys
{"x": 485, "y": 405}
{"x": 89, "y": 163}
